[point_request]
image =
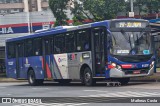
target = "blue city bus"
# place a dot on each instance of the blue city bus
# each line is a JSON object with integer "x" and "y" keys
{"x": 116, "y": 49}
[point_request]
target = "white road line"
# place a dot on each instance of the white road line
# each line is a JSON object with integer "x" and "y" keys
{"x": 40, "y": 88}
{"x": 53, "y": 104}
{"x": 95, "y": 91}
{"x": 106, "y": 95}
{"x": 2, "y": 87}
{"x": 124, "y": 94}
{"x": 128, "y": 94}
{"x": 143, "y": 93}
{"x": 78, "y": 104}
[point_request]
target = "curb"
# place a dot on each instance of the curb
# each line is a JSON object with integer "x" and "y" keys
{"x": 11, "y": 80}
{"x": 144, "y": 81}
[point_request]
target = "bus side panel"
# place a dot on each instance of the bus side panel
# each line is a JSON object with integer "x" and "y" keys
{"x": 34, "y": 62}
{"x": 66, "y": 66}
{"x": 60, "y": 66}
{"x": 11, "y": 68}
{"x": 22, "y": 73}
{"x": 75, "y": 62}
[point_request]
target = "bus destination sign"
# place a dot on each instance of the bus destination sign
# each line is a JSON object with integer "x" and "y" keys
{"x": 129, "y": 24}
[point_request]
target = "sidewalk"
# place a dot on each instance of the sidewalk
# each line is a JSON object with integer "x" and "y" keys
{"x": 3, "y": 78}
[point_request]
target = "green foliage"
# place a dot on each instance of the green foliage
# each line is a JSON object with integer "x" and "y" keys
{"x": 98, "y": 9}
{"x": 58, "y": 8}
{"x": 76, "y": 21}
{"x": 152, "y": 6}
{"x": 145, "y": 6}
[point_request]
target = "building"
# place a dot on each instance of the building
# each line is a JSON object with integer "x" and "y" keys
{"x": 15, "y": 6}
{"x": 22, "y": 17}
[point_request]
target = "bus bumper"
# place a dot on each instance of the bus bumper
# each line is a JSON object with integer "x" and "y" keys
{"x": 115, "y": 73}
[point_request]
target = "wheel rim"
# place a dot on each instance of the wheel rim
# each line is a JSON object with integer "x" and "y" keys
{"x": 87, "y": 77}
{"x": 31, "y": 79}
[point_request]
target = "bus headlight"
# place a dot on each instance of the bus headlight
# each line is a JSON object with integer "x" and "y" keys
{"x": 113, "y": 64}
{"x": 116, "y": 66}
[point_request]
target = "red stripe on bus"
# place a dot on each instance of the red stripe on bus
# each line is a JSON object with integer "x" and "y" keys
{"x": 48, "y": 71}
{"x": 42, "y": 63}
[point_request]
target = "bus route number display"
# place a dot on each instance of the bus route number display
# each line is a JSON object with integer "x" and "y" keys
{"x": 128, "y": 24}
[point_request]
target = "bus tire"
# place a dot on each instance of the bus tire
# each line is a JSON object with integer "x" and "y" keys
{"x": 88, "y": 80}
{"x": 32, "y": 79}
{"x": 124, "y": 81}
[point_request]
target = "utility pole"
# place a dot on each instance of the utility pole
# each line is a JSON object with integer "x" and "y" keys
{"x": 131, "y": 14}
{"x": 131, "y": 5}
{"x": 29, "y": 26}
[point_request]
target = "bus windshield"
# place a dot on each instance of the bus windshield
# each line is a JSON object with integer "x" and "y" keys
{"x": 131, "y": 43}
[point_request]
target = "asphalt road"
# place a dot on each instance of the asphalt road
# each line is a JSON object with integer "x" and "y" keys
{"x": 113, "y": 91}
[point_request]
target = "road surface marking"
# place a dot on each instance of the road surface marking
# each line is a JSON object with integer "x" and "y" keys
{"x": 53, "y": 104}
{"x": 95, "y": 91}
{"x": 40, "y": 88}
{"x": 124, "y": 94}
{"x": 2, "y": 87}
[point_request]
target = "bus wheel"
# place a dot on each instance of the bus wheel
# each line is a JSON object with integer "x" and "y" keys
{"x": 88, "y": 80}
{"x": 124, "y": 81}
{"x": 32, "y": 79}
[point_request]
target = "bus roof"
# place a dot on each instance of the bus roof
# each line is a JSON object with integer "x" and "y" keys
{"x": 62, "y": 29}
{"x": 128, "y": 19}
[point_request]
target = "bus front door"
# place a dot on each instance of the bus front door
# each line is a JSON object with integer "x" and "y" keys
{"x": 19, "y": 59}
{"x": 98, "y": 49}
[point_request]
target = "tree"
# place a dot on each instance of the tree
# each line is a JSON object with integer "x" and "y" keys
{"x": 152, "y": 6}
{"x": 59, "y": 8}
{"x": 148, "y": 6}
{"x": 98, "y": 10}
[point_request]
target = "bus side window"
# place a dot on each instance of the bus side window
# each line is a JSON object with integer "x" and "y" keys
{"x": 59, "y": 44}
{"x": 48, "y": 45}
{"x": 28, "y": 48}
{"x": 11, "y": 50}
{"x": 70, "y": 42}
{"x": 83, "y": 40}
{"x": 20, "y": 49}
{"x": 37, "y": 43}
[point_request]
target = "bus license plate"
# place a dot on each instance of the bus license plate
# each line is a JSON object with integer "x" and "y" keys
{"x": 136, "y": 72}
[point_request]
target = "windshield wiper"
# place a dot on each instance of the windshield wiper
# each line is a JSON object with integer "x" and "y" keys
{"x": 128, "y": 40}
{"x": 125, "y": 36}
{"x": 142, "y": 32}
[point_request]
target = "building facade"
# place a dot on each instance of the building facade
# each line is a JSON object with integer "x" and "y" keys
{"x": 15, "y": 6}
{"x": 23, "y": 17}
